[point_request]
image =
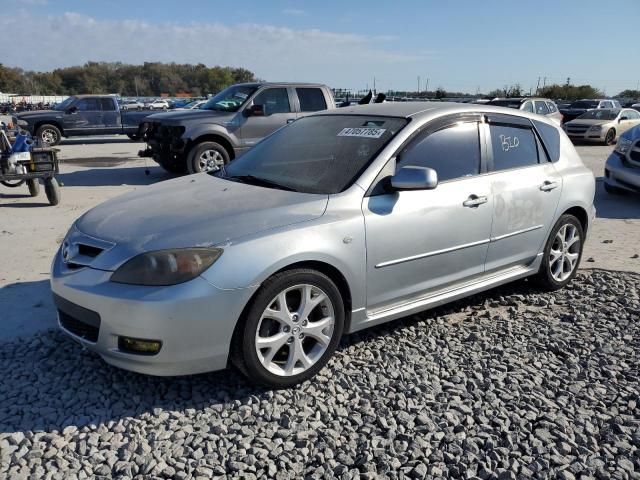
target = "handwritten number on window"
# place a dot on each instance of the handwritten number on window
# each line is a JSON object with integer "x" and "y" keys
{"x": 509, "y": 143}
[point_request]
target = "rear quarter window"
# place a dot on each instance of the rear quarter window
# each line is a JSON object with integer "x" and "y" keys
{"x": 551, "y": 139}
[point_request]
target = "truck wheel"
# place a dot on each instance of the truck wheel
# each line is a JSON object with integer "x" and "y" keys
{"x": 34, "y": 187}
{"x": 52, "y": 190}
{"x": 49, "y": 134}
{"x": 207, "y": 157}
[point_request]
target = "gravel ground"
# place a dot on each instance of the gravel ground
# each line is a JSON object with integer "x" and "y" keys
{"x": 509, "y": 384}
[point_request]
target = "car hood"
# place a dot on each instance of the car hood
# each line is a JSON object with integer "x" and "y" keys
{"x": 33, "y": 114}
{"x": 588, "y": 121}
{"x": 192, "y": 115}
{"x": 196, "y": 210}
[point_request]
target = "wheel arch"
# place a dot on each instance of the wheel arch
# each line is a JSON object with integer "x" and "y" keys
{"x": 40, "y": 123}
{"x": 581, "y": 214}
{"x": 212, "y": 137}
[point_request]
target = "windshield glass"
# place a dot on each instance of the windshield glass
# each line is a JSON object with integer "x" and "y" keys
{"x": 584, "y": 104}
{"x": 230, "y": 99}
{"x": 322, "y": 154}
{"x": 64, "y": 104}
{"x": 601, "y": 114}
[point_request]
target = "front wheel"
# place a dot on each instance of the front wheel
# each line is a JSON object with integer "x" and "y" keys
{"x": 610, "y": 137}
{"x": 34, "y": 187}
{"x": 49, "y": 134}
{"x": 52, "y": 190}
{"x": 207, "y": 157}
{"x": 562, "y": 253}
{"x": 291, "y": 329}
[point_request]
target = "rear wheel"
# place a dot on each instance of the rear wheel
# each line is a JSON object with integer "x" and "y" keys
{"x": 562, "y": 253}
{"x": 52, "y": 190}
{"x": 34, "y": 187}
{"x": 290, "y": 330}
{"x": 207, "y": 157}
{"x": 610, "y": 137}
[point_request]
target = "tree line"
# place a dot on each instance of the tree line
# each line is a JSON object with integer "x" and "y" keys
{"x": 149, "y": 79}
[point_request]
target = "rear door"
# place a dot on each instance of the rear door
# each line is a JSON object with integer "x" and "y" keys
{"x": 111, "y": 122}
{"x": 526, "y": 190}
{"x": 86, "y": 118}
{"x": 277, "y": 103}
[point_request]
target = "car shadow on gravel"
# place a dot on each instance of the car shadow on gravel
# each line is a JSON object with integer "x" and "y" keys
{"x": 63, "y": 384}
{"x": 114, "y": 176}
{"x": 616, "y": 206}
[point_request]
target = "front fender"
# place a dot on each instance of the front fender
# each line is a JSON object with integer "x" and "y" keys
{"x": 198, "y": 132}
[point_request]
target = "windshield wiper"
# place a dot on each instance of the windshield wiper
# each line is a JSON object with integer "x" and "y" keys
{"x": 262, "y": 182}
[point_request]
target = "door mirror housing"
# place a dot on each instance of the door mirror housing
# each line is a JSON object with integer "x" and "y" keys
{"x": 254, "y": 111}
{"x": 415, "y": 178}
{"x": 623, "y": 118}
{"x": 72, "y": 109}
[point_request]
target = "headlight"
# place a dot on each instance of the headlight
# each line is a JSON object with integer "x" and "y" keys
{"x": 166, "y": 267}
{"x": 623, "y": 145}
{"x": 596, "y": 128}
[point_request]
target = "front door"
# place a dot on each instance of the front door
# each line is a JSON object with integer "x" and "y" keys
{"x": 526, "y": 190}
{"x": 84, "y": 116}
{"x": 423, "y": 241}
{"x": 278, "y": 111}
{"x": 111, "y": 120}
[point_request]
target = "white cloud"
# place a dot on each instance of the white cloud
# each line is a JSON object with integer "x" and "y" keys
{"x": 271, "y": 52}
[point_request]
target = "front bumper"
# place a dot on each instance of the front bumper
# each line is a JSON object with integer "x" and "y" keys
{"x": 621, "y": 174}
{"x": 194, "y": 321}
{"x": 588, "y": 136}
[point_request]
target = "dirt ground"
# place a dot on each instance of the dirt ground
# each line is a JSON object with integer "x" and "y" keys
{"x": 96, "y": 169}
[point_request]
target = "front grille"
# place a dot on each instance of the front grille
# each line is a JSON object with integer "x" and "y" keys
{"x": 78, "y": 327}
{"x": 578, "y": 129}
{"x": 80, "y": 321}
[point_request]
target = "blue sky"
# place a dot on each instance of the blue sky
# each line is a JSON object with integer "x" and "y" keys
{"x": 457, "y": 44}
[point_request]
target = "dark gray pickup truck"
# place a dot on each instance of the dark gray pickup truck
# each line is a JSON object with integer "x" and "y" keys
{"x": 229, "y": 123}
{"x": 83, "y": 115}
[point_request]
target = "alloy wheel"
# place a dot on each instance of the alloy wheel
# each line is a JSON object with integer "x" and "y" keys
{"x": 295, "y": 330}
{"x": 49, "y": 136}
{"x": 564, "y": 253}
{"x": 210, "y": 160}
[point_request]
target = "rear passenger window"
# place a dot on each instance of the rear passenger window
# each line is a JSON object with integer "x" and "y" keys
{"x": 107, "y": 105}
{"x": 452, "y": 152}
{"x": 552, "y": 107}
{"x": 88, "y": 105}
{"x": 513, "y": 147}
{"x": 541, "y": 108}
{"x": 311, "y": 99}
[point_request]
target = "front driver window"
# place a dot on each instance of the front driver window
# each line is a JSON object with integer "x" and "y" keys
{"x": 453, "y": 152}
{"x": 273, "y": 100}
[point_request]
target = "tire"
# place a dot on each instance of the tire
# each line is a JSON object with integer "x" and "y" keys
{"x": 613, "y": 190}
{"x": 207, "y": 157}
{"x": 52, "y": 190}
{"x": 12, "y": 183}
{"x": 49, "y": 134}
{"x": 280, "y": 366}
{"x": 610, "y": 137}
{"x": 34, "y": 187}
{"x": 553, "y": 276}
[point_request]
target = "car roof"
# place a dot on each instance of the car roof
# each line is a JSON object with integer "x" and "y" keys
{"x": 519, "y": 99}
{"x": 281, "y": 84}
{"x": 424, "y": 109}
{"x": 86, "y": 95}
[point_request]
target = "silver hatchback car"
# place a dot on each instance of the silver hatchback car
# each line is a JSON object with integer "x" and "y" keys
{"x": 335, "y": 223}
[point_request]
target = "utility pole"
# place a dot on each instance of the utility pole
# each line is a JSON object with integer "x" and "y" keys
{"x": 544, "y": 83}
{"x": 374, "y": 85}
{"x": 418, "y": 84}
{"x": 426, "y": 88}
{"x": 538, "y": 86}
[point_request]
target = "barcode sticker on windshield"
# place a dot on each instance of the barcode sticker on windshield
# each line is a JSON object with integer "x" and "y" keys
{"x": 366, "y": 132}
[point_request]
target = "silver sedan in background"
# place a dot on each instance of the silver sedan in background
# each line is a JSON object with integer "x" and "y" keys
{"x": 340, "y": 221}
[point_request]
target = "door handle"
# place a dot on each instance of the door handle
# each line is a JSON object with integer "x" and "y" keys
{"x": 547, "y": 186}
{"x": 474, "y": 201}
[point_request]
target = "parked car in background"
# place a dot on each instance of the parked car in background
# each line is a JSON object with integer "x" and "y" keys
{"x": 579, "y": 107}
{"x": 636, "y": 106}
{"x": 191, "y": 105}
{"x": 319, "y": 230}
{"x": 541, "y": 106}
{"x": 131, "y": 105}
{"x": 83, "y": 115}
{"x": 158, "y": 105}
{"x": 602, "y": 125}
{"x": 229, "y": 124}
{"x": 622, "y": 169}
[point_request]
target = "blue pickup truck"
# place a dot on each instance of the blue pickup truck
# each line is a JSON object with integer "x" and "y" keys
{"x": 83, "y": 115}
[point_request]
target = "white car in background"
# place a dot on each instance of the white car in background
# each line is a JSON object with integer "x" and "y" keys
{"x": 158, "y": 105}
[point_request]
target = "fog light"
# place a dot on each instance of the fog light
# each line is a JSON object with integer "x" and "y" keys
{"x": 139, "y": 346}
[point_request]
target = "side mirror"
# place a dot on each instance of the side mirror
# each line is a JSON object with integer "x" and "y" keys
{"x": 415, "y": 178}
{"x": 623, "y": 118}
{"x": 254, "y": 111}
{"x": 72, "y": 109}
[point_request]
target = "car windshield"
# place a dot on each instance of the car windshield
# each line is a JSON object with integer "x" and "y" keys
{"x": 320, "y": 154}
{"x": 230, "y": 99}
{"x": 584, "y": 104}
{"x": 64, "y": 104}
{"x": 601, "y": 114}
{"x": 505, "y": 103}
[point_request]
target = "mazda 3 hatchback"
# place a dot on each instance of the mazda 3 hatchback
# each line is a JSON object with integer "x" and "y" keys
{"x": 337, "y": 222}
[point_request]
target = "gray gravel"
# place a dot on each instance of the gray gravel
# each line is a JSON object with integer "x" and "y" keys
{"x": 510, "y": 384}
